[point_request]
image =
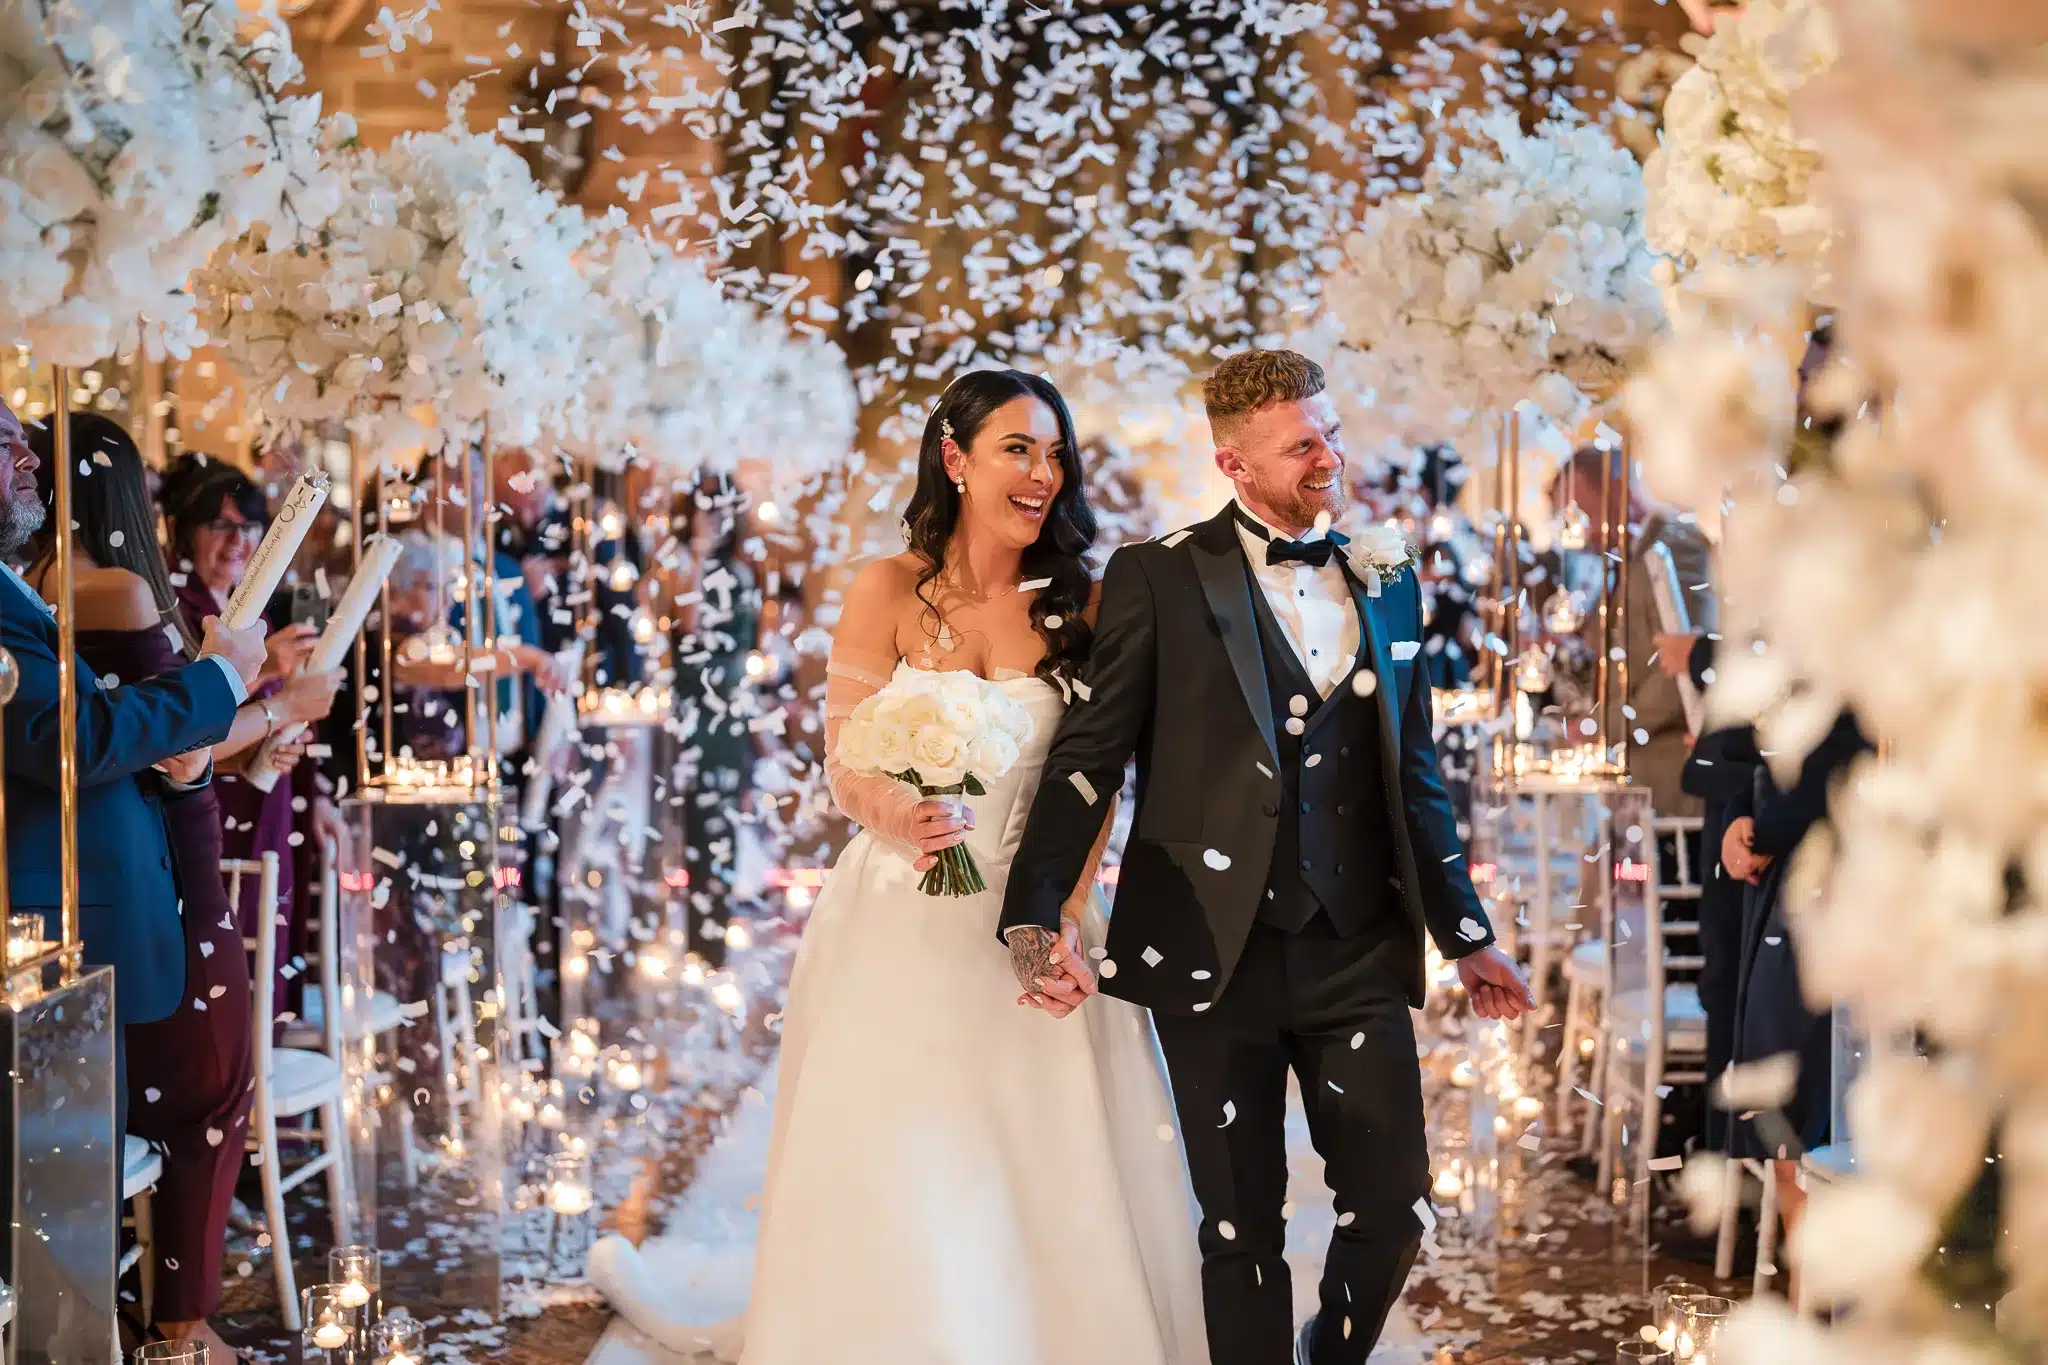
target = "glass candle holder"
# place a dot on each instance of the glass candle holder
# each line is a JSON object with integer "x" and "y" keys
{"x": 398, "y": 1340}
{"x": 359, "y": 1274}
{"x": 24, "y": 938}
{"x": 1641, "y": 1353}
{"x": 570, "y": 1198}
{"x": 327, "y": 1324}
{"x": 170, "y": 1352}
{"x": 1699, "y": 1334}
{"x": 1667, "y": 1312}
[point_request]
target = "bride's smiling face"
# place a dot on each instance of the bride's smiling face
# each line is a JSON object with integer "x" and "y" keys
{"x": 1011, "y": 470}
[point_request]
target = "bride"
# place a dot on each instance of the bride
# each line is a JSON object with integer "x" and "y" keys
{"x": 953, "y": 1179}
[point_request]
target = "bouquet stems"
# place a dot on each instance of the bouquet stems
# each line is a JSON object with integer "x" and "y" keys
{"x": 955, "y": 874}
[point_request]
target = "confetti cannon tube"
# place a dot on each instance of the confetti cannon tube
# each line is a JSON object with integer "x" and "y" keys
{"x": 280, "y": 543}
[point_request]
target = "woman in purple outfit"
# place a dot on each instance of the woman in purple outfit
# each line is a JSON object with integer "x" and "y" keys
{"x": 216, "y": 517}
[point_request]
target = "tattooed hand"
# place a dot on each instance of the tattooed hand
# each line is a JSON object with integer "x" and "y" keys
{"x": 1051, "y": 971}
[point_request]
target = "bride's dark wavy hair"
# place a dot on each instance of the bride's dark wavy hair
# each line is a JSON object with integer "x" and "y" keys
{"x": 1066, "y": 536}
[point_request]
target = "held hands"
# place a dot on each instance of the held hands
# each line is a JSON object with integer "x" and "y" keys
{"x": 1494, "y": 985}
{"x": 1052, "y": 971}
{"x": 243, "y": 649}
{"x": 1738, "y": 854}
{"x": 285, "y": 650}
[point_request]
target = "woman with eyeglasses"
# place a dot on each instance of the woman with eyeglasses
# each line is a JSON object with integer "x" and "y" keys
{"x": 215, "y": 518}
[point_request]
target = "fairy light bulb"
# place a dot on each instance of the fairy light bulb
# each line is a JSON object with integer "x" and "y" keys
{"x": 1573, "y": 527}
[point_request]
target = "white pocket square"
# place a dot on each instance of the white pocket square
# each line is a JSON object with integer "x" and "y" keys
{"x": 1404, "y": 650}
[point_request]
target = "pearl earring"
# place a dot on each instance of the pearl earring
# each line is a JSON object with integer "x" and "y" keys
{"x": 960, "y": 485}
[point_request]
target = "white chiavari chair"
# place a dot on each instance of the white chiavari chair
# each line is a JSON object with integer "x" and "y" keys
{"x": 290, "y": 1083}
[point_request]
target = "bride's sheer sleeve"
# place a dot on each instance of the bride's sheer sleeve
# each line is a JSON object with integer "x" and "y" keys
{"x": 862, "y": 661}
{"x": 1077, "y": 903}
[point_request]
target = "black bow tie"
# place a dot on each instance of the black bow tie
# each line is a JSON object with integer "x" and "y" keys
{"x": 1314, "y": 553}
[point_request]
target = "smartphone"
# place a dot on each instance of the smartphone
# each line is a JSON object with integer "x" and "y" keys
{"x": 308, "y": 608}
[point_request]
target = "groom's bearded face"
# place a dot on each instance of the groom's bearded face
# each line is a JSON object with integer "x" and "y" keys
{"x": 1292, "y": 457}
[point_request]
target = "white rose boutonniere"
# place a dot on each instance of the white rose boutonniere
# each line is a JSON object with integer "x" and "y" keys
{"x": 1379, "y": 555}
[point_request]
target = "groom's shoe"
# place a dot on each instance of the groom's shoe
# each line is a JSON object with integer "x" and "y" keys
{"x": 1302, "y": 1341}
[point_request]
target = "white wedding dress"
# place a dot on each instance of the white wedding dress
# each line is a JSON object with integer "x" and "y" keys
{"x": 952, "y": 1179}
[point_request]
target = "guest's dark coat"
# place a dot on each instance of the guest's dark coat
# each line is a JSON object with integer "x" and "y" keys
{"x": 128, "y": 897}
{"x": 1772, "y": 1015}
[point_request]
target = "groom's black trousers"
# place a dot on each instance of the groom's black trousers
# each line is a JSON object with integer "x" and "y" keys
{"x": 1331, "y": 1007}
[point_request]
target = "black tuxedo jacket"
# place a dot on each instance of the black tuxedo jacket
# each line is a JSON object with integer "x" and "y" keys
{"x": 1177, "y": 679}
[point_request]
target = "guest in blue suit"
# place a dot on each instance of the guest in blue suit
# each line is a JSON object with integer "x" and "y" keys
{"x": 127, "y": 893}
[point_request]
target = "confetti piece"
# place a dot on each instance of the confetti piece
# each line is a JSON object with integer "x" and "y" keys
{"x": 1297, "y": 705}
{"x": 1176, "y": 538}
{"x": 1108, "y": 969}
{"x": 1426, "y": 1215}
{"x": 1033, "y": 585}
{"x": 1364, "y": 682}
{"x": 1357, "y": 1041}
{"x": 214, "y": 1137}
{"x": 152, "y": 1095}
{"x": 1152, "y": 956}
{"x": 1295, "y": 726}
{"x": 1229, "y": 1113}
{"x": 1667, "y": 1163}
{"x": 1226, "y": 1231}
{"x": 1471, "y": 930}
{"x": 1166, "y": 1133}
{"x": 1215, "y": 860}
{"x": 1311, "y": 760}
{"x": 1082, "y": 785}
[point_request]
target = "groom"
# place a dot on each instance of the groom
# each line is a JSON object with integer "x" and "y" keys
{"x": 1291, "y": 845}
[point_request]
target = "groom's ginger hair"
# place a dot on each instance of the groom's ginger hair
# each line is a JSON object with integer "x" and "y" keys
{"x": 1251, "y": 380}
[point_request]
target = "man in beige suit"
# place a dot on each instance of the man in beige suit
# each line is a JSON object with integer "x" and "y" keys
{"x": 1659, "y": 736}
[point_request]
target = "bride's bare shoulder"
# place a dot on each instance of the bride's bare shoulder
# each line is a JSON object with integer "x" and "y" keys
{"x": 881, "y": 583}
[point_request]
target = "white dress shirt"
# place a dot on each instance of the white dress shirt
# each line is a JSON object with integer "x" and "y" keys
{"x": 1313, "y": 606}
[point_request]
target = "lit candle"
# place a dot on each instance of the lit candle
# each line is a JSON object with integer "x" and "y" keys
{"x": 355, "y": 1295}
{"x": 569, "y": 1200}
{"x": 330, "y": 1336}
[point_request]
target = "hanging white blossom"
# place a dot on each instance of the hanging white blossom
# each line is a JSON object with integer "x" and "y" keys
{"x": 1518, "y": 271}
{"x": 1733, "y": 178}
{"x": 1897, "y": 577}
{"x": 443, "y": 295}
{"x": 136, "y": 136}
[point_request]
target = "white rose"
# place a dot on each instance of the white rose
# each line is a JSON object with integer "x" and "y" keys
{"x": 938, "y": 756}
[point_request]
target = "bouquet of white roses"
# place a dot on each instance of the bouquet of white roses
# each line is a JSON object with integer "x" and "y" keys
{"x": 946, "y": 734}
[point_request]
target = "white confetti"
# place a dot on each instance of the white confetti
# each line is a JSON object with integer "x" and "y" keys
{"x": 1311, "y": 760}
{"x": 1295, "y": 725}
{"x": 1229, "y": 1113}
{"x": 1199, "y": 976}
{"x": 1216, "y": 860}
{"x": 1082, "y": 785}
{"x": 1226, "y": 1231}
{"x": 1108, "y": 968}
{"x": 1152, "y": 956}
{"x": 214, "y": 1137}
{"x": 1166, "y": 1133}
{"x": 1055, "y": 622}
{"x": 1297, "y": 705}
{"x": 152, "y": 1095}
{"x": 1471, "y": 930}
{"x": 1364, "y": 682}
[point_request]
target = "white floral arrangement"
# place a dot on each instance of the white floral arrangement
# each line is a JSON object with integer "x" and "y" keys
{"x": 136, "y": 136}
{"x": 1895, "y": 578}
{"x": 947, "y": 734}
{"x": 1518, "y": 271}
{"x": 433, "y": 302}
{"x": 697, "y": 379}
{"x": 1734, "y": 179}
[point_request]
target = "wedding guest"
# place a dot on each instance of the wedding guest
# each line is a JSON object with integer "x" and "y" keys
{"x": 215, "y": 517}
{"x": 716, "y": 631}
{"x": 188, "y": 1072}
{"x": 1766, "y": 826}
{"x": 1658, "y": 733}
{"x": 128, "y": 897}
